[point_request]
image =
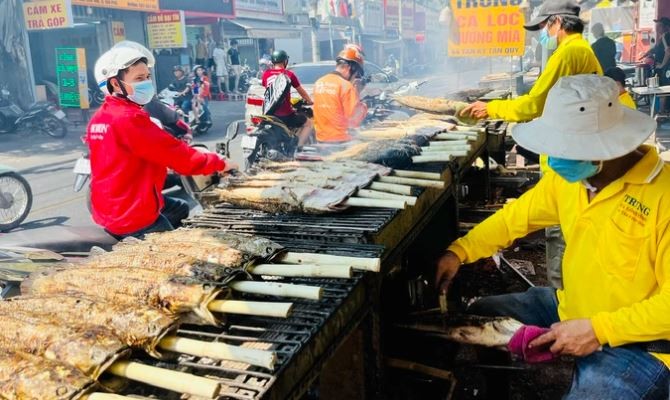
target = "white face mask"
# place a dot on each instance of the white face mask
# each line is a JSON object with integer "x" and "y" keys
{"x": 143, "y": 92}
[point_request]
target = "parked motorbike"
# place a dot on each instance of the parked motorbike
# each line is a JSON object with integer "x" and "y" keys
{"x": 43, "y": 117}
{"x": 16, "y": 198}
{"x": 271, "y": 139}
{"x": 246, "y": 76}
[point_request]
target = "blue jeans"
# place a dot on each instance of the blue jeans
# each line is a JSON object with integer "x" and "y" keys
{"x": 174, "y": 211}
{"x": 621, "y": 373}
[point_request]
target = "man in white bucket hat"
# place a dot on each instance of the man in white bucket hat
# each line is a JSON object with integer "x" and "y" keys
{"x": 610, "y": 194}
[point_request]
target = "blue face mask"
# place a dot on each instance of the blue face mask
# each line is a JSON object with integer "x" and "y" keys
{"x": 546, "y": 41}
{"x": 143, "y": 92}
{"x": 573, "y": 170}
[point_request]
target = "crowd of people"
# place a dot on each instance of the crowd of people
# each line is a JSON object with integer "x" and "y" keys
{"x": 602, "y": 198}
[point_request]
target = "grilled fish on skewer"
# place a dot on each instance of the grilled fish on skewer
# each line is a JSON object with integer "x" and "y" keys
{"x": 126, "y": 285}
{"x": 137, "y": 325}
{"x": 25, "y": 376}
{"x": 90, "y": 350}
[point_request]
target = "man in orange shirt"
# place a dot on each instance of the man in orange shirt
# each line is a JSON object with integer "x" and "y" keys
{"x": 337, "y": 105}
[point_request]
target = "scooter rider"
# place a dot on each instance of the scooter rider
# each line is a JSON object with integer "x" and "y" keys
{"x": 130, "y": 155}
{"x": 285, "y": 111}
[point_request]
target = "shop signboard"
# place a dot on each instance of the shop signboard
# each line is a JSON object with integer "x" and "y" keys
{"x": 118, "y": 31}
{"x": 218, "y": 8}
{"x": 261, "y": 6}
{"x": 373, "y": 17}
{"x": 47, "y": 14}
{"x": 133, "y": 5}
{"x": 486, "y": 28}
{"x": 166, "y": 30}
{"x": 647, "y": 14}
{"x": 72, "y": 77}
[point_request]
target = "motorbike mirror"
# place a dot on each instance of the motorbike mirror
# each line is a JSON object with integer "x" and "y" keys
{"x": 233, "y": 130}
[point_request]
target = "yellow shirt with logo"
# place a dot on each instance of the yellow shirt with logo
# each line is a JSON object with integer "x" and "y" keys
{"x": 573, "y": 56}
{"x": 616, "y": 267}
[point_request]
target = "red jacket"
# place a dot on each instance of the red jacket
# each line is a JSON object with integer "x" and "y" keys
{"x": 130, "y": 156}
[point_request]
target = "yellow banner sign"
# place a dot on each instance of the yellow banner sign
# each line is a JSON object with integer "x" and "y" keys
{"x": 136, "y": 5}
{"x": 118, "y": 31}
{"x": 486, "y": 28}
{"x": 166, "y": 30}
{"x": 48, "y": 14}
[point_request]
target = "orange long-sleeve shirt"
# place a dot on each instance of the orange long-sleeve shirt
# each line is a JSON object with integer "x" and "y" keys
{"x": 337, "y": 107}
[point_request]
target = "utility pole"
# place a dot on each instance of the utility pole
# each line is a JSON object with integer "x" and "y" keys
{"x": 315, "y": 24}
{"x": 401, "y": 62}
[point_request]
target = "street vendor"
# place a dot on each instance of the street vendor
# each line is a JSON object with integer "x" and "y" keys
{"x": 337, "y": 105}
{"x": 561, "y": 30}
{"x": 130, "y": 154}
{"x": 608, "y": 191}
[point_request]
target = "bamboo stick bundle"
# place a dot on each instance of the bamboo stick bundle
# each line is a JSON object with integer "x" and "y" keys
{"x": 136, "y": 326}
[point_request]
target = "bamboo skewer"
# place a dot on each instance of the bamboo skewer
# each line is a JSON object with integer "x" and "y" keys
{"x": 175, "y": 381}
{"x": 258, "y": 308}
{"x": 438, "y": 156}
{"x": 412, "y": 181}
{"x": 373, "y": 194}
{"x": 279, "y": 289}
{"x": 367, "y": 264}
{"x": 449, "y": 142}
{"x": 378, "y": 203}
{"x": 454, "y": 136}
{"x": 391, "y": 188}
{"x": 305, "y": 270}
{"x": 436, "y": 176}
{"x": 438, "y": 149}
{"x": 221, "y": 351}
{"x": 469, "y": 129}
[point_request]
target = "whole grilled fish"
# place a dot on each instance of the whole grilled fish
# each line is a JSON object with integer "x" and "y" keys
{"x": 89, "y": 349}
{"x": 127, "y": 285}
{"x": 135, "y": 325}
{"x": 482, "y": 331}
{"x": 24, "y": 376}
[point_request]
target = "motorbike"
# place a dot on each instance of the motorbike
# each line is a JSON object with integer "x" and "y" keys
{"x": 16, "y": 198}
{"x": 245, "y": 78}
{"x": 271, "y": 139}
{"x": 204, "y": 121}
{"x": 43, "y": 117}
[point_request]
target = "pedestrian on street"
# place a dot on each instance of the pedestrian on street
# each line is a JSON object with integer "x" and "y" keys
{"x": 604, "y": 47}
{"x": 200, "y": 50}
{"x": 235, "y": 65}
{"x": 221, "y": 61}
{"x": 130, "y": 155}
{"x": 609, "y": 193}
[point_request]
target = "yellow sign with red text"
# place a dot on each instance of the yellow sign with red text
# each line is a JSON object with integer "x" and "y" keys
{"x": 118, "y": 31}
{"x": 486, "y": 28}
{"x": 166, "y": 30}
{"x": 47, "y": 14}
{"x": 135, "y": 5}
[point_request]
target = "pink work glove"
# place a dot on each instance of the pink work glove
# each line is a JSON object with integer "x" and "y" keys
{"x": 518, "y": 345}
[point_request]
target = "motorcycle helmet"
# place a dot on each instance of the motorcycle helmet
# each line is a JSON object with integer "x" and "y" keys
{"x": 279, "y": 56}
{"x": 151, "y": 60}
{"x": 111, "y": 62}
{"x": 354, "y": 56}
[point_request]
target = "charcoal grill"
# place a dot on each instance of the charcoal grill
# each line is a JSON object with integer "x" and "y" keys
{"x": 307, "y": 339}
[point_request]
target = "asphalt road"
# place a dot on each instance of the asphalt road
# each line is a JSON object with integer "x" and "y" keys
{"x": 47, "y": 165}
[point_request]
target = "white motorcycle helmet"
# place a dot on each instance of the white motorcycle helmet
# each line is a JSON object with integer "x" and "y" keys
{"x": 119, "y": 57}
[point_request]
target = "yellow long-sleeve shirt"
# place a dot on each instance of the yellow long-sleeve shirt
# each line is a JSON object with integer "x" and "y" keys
{"x": 573, "y": 56}
{"x": 626, "y": 100}
{"x": 616, "y": 267}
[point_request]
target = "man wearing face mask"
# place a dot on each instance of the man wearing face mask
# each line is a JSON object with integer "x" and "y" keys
{"x": 337, "y": 104}
{"x": 130, "y": 154}
{"x": 608, "y": 191}
{"x": 561, "y": 30}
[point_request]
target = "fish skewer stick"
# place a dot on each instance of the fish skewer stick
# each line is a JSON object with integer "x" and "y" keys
{"x": 279, "y": 289}
{"x": 368, "y": 264}
{"x": 413, "y": 182}
{"x": 304, "y": 270}
{"x": 418, "y": 174}
{"x": 373, "y": 194}
{"x": 262, "y": 358}
{"x": 175, "y": 381}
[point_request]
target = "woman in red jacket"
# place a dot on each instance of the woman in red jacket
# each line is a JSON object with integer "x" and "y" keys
{"x": 130, "y": 155}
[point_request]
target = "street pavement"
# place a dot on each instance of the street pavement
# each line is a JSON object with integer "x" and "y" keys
{"x": 47, "y": 165}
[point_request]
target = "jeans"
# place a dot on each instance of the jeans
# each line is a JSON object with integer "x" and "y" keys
{"x": 174, "y": 211}
{"x": 621, "y": 373}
